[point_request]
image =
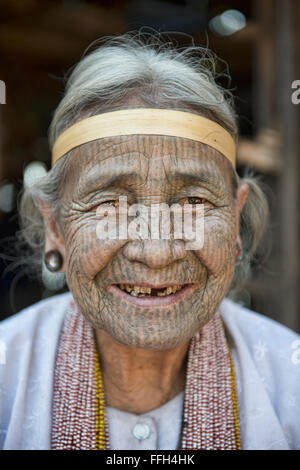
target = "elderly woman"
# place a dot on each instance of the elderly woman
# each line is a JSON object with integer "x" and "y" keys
{"x": 145, "y": 351}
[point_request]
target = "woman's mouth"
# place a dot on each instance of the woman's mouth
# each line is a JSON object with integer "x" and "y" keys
{"x": 151, "y": 295}
{"x": 143, "y": 291}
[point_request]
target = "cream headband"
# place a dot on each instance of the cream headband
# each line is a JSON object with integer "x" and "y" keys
{"x": 146, "y": 121}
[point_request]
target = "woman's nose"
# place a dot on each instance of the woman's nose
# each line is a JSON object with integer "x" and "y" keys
{"x": 155, "y": 254}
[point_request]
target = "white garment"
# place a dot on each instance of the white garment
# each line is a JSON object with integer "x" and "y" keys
{"x": 266, "y": 356}
{"x": 158, "y": 429}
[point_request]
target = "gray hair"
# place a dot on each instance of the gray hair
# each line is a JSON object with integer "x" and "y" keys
{"x": 160, "y": 75}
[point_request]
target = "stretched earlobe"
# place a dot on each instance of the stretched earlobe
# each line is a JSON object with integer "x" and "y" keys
{"x": 54, "y": 247}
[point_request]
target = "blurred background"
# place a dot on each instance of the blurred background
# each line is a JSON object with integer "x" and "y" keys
{"x": 40, "y": 40}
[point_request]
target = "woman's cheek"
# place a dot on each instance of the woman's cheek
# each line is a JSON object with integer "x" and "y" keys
{"x": 87, "y": 253}
{"x": 218, "y": 249}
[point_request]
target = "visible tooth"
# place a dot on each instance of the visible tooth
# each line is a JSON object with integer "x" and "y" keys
{"x": 136, "y": 289}
{"x": 145, "y": 290}
{"x": 161, "y": 294}
{"x": 122, "y": 286}
{"x": 134, "y": 293}
{"x": 174, "y": 289}
{"x": 128, "y": 288}
{"x": 168, "y": 290}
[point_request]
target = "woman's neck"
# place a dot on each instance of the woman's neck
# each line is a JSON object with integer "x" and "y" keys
{"x": 140, "y": 380}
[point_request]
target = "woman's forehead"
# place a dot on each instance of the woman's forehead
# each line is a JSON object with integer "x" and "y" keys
{"x": 147, "y": 163}
{"x": 116, "y": 155}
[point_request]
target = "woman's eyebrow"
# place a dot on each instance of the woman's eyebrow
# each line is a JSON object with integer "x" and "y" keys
{"x": 206, "y": 178}
{"x": 106, "y": 179}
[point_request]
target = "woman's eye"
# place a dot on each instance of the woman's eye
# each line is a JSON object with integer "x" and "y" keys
{"x": 196, "y": 200}
{"x": 193, "y": 200}
{"x": 111, "y": 202}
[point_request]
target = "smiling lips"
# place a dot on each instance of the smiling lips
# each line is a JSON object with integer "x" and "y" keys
{"x": 144, "y": 291}
{"x": 150, "y": 295}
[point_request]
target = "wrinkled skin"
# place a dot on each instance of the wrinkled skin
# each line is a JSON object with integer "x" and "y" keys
{"x": 147, "y": 169}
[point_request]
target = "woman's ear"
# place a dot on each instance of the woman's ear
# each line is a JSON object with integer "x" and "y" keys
{"x": 242, "y": 193}
{"x": 54, "y": 239}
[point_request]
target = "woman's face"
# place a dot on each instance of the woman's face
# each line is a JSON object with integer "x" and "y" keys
{"x": 147, "y": 170}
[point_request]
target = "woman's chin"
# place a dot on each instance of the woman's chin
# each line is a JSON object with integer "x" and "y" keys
{"x": 155, "y": 340}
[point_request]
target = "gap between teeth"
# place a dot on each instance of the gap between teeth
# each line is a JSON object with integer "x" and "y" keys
{"x": 141, "y": 291}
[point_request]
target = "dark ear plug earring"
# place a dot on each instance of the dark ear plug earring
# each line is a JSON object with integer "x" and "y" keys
{"x": 53, "y": 260}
